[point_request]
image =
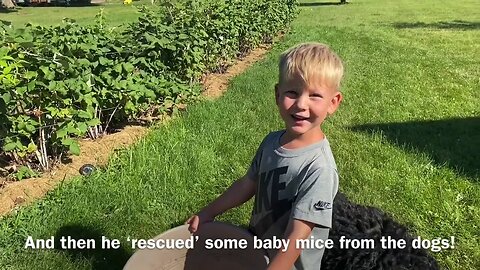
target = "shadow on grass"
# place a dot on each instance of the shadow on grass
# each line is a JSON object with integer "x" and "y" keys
{"x": 321, "y": 4}
{"x": 452, "y": 142}
{"x": 5, "y": 23}
{"x": 454, "y": 25}
{"x": 100, "y": 258}
{"x": 8, "y": 10}
{"x": 64, "y": 3}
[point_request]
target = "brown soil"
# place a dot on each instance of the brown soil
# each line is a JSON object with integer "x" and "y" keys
{"x": 14, "y": 194}
{"x": 215, "y": 84}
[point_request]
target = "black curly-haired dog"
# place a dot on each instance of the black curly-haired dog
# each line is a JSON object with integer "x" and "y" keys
{"x": 361, "y": 222}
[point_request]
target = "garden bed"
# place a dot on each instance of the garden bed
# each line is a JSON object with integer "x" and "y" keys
{"x": 97, "y": 152}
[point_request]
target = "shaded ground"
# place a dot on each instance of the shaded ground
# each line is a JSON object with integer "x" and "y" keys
{"x": 451, "y": 25}
{"x": 101, "y": 258}
{"x": 452, "y": 142}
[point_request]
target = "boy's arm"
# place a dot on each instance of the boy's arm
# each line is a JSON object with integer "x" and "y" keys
{"x": 239, "y": 192}
{"x": 313, "y": 207}
{"x": 296, "y": 229}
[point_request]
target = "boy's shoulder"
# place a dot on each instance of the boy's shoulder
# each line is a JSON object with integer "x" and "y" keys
{"x": 318, "y": 154}
{"x": 273, "y": 137}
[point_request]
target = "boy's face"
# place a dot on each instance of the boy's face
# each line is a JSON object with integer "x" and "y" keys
{"x": 304, "y": 107}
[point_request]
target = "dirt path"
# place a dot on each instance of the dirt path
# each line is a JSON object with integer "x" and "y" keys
{"x": 14, "y": 194}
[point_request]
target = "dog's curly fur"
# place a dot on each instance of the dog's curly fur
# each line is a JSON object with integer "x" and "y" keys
{"x": 361, "y": 222}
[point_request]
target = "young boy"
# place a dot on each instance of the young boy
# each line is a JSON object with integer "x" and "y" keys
{"x": 293, "y": 174}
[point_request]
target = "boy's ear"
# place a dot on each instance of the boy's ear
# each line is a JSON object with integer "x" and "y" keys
{"x": 335, "y": 102}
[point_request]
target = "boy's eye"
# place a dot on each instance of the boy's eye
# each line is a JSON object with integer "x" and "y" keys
{"x": 290, "y": 93}
{"x": 316, "y": 95}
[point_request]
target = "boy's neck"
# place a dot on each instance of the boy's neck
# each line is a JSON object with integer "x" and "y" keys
{"x": 294, "y": 141}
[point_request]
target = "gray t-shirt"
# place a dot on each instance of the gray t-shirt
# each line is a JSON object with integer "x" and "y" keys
{"x": 293, "y": 183}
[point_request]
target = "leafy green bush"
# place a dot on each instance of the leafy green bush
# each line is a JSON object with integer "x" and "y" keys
{"x": 70, "y": 81}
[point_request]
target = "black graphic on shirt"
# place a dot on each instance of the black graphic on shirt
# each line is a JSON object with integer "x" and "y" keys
{"x": 267, "y": 198}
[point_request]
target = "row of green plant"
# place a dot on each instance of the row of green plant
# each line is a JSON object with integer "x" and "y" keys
{"x": 64, "y": 82}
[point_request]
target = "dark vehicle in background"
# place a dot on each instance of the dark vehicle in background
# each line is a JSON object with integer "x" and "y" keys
{"x": 52, "y": 2}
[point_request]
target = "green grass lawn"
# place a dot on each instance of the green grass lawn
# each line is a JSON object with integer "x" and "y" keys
{"x": 115, "y": 11}
{"x": 406, "y": 139}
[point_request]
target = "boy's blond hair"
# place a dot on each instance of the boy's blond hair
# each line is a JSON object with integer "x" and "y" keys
{"x": 311, "y": 60}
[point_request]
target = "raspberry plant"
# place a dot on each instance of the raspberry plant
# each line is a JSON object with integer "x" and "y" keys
{"x": 70, "y": 81}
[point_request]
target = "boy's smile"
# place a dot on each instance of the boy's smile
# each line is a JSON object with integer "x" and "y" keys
{"x": 304, "y": 107}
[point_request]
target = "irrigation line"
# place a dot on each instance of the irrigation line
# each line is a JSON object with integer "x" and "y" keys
{"x": 29, "y": 112}
{"x": 74, "y": 57}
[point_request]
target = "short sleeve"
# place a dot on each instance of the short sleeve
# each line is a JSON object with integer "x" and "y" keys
{"x": 252, "y": 172}
{"x": 314, "y": 201}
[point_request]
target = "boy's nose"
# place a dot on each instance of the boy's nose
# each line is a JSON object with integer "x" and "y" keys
{"x": 302, "y": 102}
